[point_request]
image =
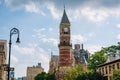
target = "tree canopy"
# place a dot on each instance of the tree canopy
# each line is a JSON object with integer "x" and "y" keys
{"x": 111, "y": 50}
{"x": 101, "y": 56}
{"x": 90, "y": 75}
{"x": 45, "y": 76}
{"x": 96, "y": 59}
{"x": 73, "y": 73}
{"x": 77, "y": 73}
{"x": 116, "y": 74}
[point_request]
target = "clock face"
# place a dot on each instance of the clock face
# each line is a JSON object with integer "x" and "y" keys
{"x": 66, "y": 29}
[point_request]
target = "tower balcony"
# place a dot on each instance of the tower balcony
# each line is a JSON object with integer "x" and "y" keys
{"x": 64, "y": 44}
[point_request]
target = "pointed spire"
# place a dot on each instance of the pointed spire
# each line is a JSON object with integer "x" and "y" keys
{"x": 82, "y": 46}
{"x": 64, "y": 17}
{"x": 51, "y": 54}
{"x": 64, "y": 6}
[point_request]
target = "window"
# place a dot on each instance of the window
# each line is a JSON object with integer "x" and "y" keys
{"x": 106, "y": 70}
{"x": 103, "y": 71}
{"x": 1, "y": 48}
{"x": 100, "y": 70}
{"x": 113, "y": 66}
{"x": 65, "y": 32}
{"x": 118, "y": 67}
{"x": 109, "y": 69}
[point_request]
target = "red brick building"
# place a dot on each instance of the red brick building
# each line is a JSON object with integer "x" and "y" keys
{"x": 65, "y": 47}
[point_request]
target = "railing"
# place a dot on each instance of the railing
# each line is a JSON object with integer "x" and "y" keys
{"x": 64, "y": 44}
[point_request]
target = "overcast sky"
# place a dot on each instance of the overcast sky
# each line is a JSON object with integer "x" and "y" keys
{"x": 95, "y": 23}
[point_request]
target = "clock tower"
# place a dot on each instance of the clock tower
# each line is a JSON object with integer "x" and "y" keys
{"x": 65, "y": 46}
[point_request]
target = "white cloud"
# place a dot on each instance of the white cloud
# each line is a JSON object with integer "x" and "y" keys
{"x": 39, "y": 30}
{"x": 24, "y": 50}
{"x": 94, "y": 15}
{"x": 50, "y": 40}
{"x": 38, "y": 33}
{"x": 32, "y": 8}
{"x": 91, "y": 34}
{"x": 29, "y": 6}
{"x": 38, "y": 53}
{"x": 78, "y": 38}
{"x": 118, "y": 25}
{"x": 118, "y": 36}
{"x": 50, "y": 29}
{"x": 19, "y": 72}
{"x": 54, "y": 11}
{"x": 74, "y": 15}
{"x": 14, "y": 60}
{"x": 90, "y": 13}
{"x": 95, "y": 11}
{"x": 93, "y": 48}
{"x": 45, "y": 38}
{"x": 43, "y": 57}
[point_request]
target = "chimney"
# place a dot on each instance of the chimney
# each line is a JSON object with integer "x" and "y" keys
{"x": 77, "y": 46}
{"x": 39, "y": 65}
{"x": 82, "y": 46}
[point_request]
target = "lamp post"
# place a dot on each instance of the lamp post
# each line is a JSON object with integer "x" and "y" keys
{"x": 12, "y": 32}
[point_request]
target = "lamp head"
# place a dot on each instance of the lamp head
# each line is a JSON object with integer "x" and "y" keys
{"x": 18, "y": 40}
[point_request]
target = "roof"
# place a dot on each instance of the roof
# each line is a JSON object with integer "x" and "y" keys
{"x": 118, "y": 60}
{"x": 65, "y": 18}
{"x": 111, "y": 59}
{"x": 55, "y": 58}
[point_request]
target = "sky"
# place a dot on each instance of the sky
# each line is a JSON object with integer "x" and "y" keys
{"x": 95, "y": 23}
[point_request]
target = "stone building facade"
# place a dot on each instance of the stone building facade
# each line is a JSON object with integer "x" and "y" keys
{"x": 113, "y": 63}
{"x": 53, "y": 66}
{"x": 81, "y": 55}
{"x": 3, "y": 56}
{"x": 33, "y": 71}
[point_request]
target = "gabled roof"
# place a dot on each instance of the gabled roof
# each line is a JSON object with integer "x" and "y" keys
{"x": 65, "y": 18}
{"x": 118, "y": 60}
{"x": 111, "y": 59}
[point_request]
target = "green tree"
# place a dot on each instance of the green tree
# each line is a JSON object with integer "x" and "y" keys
{"x": 50, "y": 77}
{"x": 41, "y": 76}
{"x": 96, "y": 59}
{"x": 116, "y": 74}
{"x": 73, "y": 73}
{"x": 77, "y": 73}
{"x": 111, "y": 50}
{"x": 45, "y": 76}
{"x": 90, "y": 75}
{"x": 100, "y": 57}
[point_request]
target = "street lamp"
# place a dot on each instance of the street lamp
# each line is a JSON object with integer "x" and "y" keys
{"x": 12, "y": 32}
